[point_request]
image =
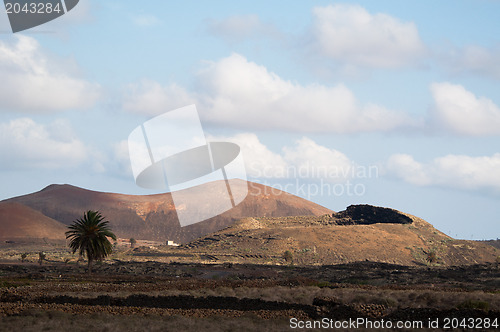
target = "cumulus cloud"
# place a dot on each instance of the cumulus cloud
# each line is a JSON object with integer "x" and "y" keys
{"x": 318, "y": 160}
{"x": 304, "y": 159}
{"x": 473, "y": 59}
{"x": 241, "y": 27}
{"x": 259, "y": 160}
{"x": 451, "y": 171}
{"x": 33, "y": 82}
{"x": 29, "y": 145}
{"x": 351, "y": 35}
{"x": 460, "y": 111}
{"x": 240, "y": 93}
{"x": 151, "y": 98}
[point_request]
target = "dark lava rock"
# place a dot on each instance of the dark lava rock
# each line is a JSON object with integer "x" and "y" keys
{"x": 369, "y": 214}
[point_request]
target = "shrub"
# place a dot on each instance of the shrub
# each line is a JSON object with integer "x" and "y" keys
{"x": 41, "y": 257}
{"x": 321, "y": 284}
{"x": 388, "y": 302}
{"x": 23, "y": 256}
{"x": 471, "y": 304}
{"x": 7, "y": 284}
{"x": 288, "y": 256}
{"x": 432, "y": 257}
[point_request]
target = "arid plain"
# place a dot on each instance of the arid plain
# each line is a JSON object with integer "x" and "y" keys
{"x": 274, "y": 258}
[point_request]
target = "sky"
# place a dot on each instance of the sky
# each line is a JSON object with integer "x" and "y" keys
{"x": 388, "y": 103}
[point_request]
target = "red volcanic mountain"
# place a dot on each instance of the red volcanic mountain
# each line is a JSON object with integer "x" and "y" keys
{"x": 153, "y": 217}
{"x": 21, "y": 222}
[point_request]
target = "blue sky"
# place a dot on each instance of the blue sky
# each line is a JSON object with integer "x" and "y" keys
{"x": 408, "y": 89}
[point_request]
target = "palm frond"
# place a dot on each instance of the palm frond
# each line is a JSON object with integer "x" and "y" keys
{"x": 89, "y": 236}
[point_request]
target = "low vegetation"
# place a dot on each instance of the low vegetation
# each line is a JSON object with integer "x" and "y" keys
{"x": 288, "y": 256}
{"x": 432, "y": 257}
{"x": 474, "y": 304}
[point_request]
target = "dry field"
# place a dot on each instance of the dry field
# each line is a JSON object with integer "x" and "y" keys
{"x": 134, "y": 292}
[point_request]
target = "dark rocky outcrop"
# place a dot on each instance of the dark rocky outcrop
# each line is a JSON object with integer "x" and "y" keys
{"x": 369, "y": 214}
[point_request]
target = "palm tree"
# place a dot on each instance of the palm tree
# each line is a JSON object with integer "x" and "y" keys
{"x": 89, "y": 235}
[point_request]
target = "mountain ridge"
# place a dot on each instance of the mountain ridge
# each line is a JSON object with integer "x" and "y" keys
{"x": 153, "y": 217}
{"x": 260, "y": 229}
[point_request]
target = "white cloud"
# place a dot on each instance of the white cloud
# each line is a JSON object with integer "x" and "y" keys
{"x": 241, "y": 27}
{"x": 451, "y": 171}
{"x": 304, "y": 159}
{"x": 145, "y": 20}
{"x": 405, "y": 167}
{"x": 33, "y": 82}
{"x": 473, "y": 59}
{"x": 318, "y": 161}
{"x": 151, "y": 98}
{"x": 353, "y": 36}
{"x": 259, "y": 160}
{"x": 240, "y": 93}
{"x": 27, "y": 144}
{"x": 460, "y": 111}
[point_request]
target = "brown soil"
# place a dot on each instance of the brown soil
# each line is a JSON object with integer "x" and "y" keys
{"x": 213, "y": 297}
{"x": 21, "y": 222}
{"x": 348, "y": 236}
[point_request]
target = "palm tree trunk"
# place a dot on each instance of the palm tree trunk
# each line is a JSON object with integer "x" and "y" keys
{"x": 90, "y": 261}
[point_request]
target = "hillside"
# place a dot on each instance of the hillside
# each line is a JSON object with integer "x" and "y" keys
{"x": 360, "y": 233}
{"x": 153, "y": 217}
{"x": 494, "y": 243}
{"x": 260, "y": 229}
{"x": 21, "y": 222}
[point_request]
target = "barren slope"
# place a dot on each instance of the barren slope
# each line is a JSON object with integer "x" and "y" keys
{"x": 340, "y": 238}
{"x": 153, "y": 217}
{"x": 21, "y": 222}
